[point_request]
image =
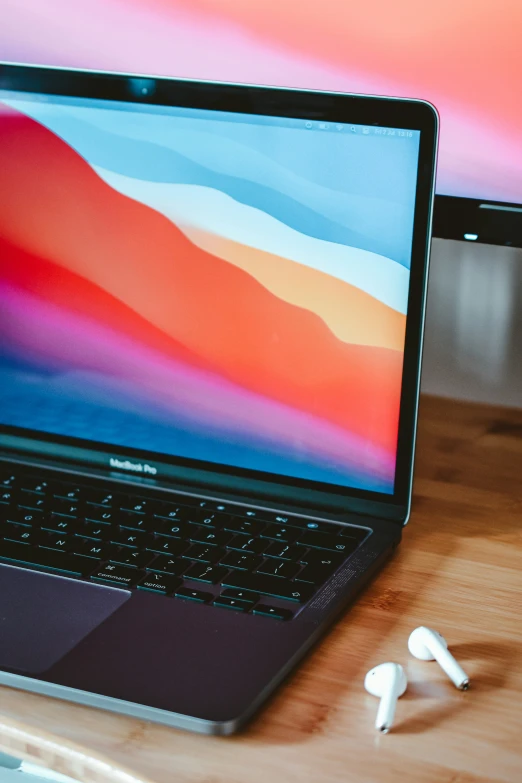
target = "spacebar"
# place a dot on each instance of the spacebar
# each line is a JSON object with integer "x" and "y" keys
{"x": 54, "y": 560}
{"x": 270, "y": 585}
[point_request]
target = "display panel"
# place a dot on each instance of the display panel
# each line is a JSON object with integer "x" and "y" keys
{"x": 206, "y": 285}
{"x": 465, "y": 57}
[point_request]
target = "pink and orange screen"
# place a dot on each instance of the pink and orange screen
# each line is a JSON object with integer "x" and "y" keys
{"x": 212, "y": 286}
{"x": 462, "y": 55}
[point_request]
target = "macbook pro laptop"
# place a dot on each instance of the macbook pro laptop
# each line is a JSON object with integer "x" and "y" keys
{"x": 211, "y": 314}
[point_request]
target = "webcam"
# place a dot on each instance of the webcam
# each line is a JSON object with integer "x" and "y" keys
{"x": 142, "y": 88}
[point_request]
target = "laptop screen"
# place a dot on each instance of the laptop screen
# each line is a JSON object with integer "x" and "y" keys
{"x": 206, "y": 285}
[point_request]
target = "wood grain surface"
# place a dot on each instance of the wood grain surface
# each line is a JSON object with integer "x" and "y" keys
{"x": 458, "y": 569}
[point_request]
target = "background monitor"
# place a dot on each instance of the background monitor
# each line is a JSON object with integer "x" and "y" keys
{"x": 463, "y": 55}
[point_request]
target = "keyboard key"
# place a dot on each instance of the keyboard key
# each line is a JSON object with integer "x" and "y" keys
{"x": 204, "y": 503}
{"x": 65, "y": 507}
{"x": 166, "y": 527}
{"x": 59, "y": 524}
{"x": 22, "y": 533}
{"x": 250, "y": 513}
{"x": 116, "y": 575}
{"x": 100, "y": 498}
{"x": 34, "y": 485}
{"x": 214, "y": 537}
{"x": 279, "y": 568}
{"x": 254, "y": 546}
{"x": 171, "y": 511}
{"x": 243, "y": 595}
{"x": 281, "y": 533}
{"x": 204, "y": 572}
{"x": 169, "y": 546}
{"x": 168, "y": 565}
{"x": 283, "y": 519}
{"x": 232, "y": 603}
{"x": 321, "y": 558}
{"x": 188, "y": 500}
{"x": 133, "y": 557}
{"x": 131, "y": 538}
{"x": 204, "y": 553}
{"x": 58, "y": 541}
{"x": 214, "y": 505}
{"x": 23, "y": 516}
{"x": 318, "y": 526}
{"x": 206, "y": 518}
{"x": 251, "y": 527}
{"x": 208, "y": 521}
{"x": 7, "y": 496}
{"x": 159, "y": 583}
{"x": 241, "y": 560}
{"x": 269, "y": 585}
{"x": 359, "y": 533}
{"x": 325, "y": 541}
{"x": 68, "y": 491}
{"x": 7, "y": 479}
{"x": 31, "y": 500}
{"x": 96, "y": 549}
{"x": 136, "y": 505}
{"x": 134, "y": 521}
{"x": 94, "y": 530}
{"x": 273, "y": 611}
{"x": 316, "y": 573}
{"x": 193, "y": 595}
{"x": 48, "y": 559}
{"x": 102, "y": 515}
{"x": 285, "y": 551}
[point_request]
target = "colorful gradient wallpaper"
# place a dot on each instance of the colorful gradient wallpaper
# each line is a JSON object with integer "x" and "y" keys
{"x": 463, "y": 55}
{"x": 228, "y": 288}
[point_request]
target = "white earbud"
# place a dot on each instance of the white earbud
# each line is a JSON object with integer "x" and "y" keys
{"x": 388, "y": 682}
{"x": 429, "y": 645}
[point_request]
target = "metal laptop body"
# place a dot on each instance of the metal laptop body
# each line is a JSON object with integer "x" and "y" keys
{"x": 102, "y": 387}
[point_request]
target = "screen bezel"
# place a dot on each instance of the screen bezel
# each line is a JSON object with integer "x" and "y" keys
{"x": 478, "y": 220}
{"x": 304, "y": 104}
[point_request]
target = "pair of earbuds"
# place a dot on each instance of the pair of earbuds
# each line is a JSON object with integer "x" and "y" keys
{"x": 388, "y": 680}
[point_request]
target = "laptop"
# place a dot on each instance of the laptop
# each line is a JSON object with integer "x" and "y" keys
{"x": 211, "y": 313}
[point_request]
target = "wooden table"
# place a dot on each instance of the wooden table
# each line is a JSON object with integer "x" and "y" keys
{"x": 459, "y": 569}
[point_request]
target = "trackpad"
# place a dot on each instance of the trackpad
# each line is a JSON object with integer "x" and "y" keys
{"x": 42, "y": 616}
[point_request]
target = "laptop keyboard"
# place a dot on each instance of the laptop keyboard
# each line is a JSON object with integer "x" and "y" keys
{"x": 234, "y": 557}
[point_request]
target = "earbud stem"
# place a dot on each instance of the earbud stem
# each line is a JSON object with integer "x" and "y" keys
{"x": 387, "y": 705}
{"x": 448, "y": 663}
